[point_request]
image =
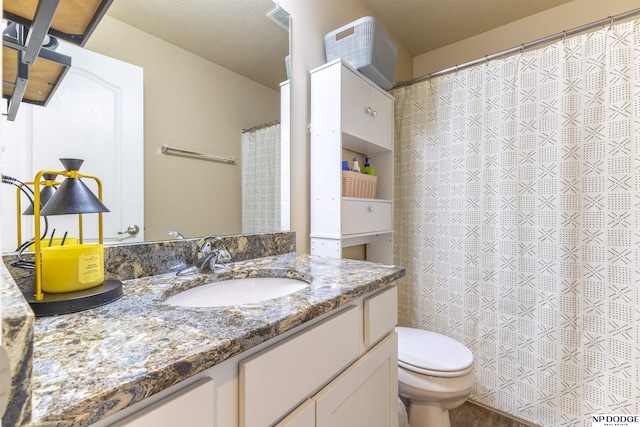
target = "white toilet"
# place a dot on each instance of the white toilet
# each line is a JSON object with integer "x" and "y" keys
{"x": 435, "y": 373}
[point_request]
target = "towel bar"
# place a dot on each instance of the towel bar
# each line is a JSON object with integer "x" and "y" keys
{"x": 212, "y": 157}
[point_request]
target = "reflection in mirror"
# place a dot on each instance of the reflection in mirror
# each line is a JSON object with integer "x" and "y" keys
{"x": 208, "y": 70}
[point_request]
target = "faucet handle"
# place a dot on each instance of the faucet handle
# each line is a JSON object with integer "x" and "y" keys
{"x": 220, "y": 257}
{"x": 204, "y": 244}
{"x": 223, "y": 256}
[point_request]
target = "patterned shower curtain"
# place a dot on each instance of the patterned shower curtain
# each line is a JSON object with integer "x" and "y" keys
{"x": 517, "y": 218}
{"x": 261, "y": 179}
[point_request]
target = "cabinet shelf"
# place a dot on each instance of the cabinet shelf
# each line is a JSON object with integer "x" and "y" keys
{"x": 367, "y": 199}
{"x": 41, "y": 79}
{"x": 73, "y": 21}
{"x": 353, "y": 143}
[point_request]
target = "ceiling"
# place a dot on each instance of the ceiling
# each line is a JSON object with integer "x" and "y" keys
{"x": 237, "y": 35}
{"x": 425, "y": 25}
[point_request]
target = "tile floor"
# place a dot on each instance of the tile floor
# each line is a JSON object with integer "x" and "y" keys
{"x": 470, "y": 415}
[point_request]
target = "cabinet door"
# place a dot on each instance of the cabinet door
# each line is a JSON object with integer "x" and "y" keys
{"x": 192, "y": 406}
{"x": 381, "y": 119}
{"x": 355, "y": 105}
{"x": 303, "y": 416}
{"x": 366, "y": 394}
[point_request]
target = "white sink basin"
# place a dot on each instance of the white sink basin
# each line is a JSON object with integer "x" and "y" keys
{"x": 237, "y": 291}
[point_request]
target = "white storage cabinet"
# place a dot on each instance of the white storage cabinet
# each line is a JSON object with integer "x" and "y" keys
{"x": 348, "y": 111}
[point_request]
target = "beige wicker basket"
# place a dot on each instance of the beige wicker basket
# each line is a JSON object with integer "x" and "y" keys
{"x": 356, "y": 184}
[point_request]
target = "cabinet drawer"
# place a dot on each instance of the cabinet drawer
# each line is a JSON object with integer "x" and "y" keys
{"x": 360, "y": 216}
{"x": 191, "y": 406}
{"x": 380, "y": 315}
{"x": 273, "y": 382}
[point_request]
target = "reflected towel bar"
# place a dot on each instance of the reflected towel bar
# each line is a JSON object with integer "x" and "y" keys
{"x": 212, "y": 157}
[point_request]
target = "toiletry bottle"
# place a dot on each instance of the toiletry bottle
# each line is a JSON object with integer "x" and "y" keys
{"x": 345, "y": 165}
{"x": 356, "y": 166}
{"x": 367, "y": 169}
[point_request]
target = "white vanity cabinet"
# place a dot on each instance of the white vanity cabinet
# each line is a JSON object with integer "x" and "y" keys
{"x": 363, "y": 394}
{"x": 274, "y": 381}
{"x": 349, "y": 112}
{"x": 337, "y": 370}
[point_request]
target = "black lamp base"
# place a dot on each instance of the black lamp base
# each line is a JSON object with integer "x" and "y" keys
{"x": 71, "y": 302}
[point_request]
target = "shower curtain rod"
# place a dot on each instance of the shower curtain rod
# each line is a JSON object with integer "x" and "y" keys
{"x": 264, "y": 125}
{"x": 601, "y": 23}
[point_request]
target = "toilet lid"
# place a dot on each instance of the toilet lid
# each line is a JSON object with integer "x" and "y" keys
{"x": 429, "y": 352}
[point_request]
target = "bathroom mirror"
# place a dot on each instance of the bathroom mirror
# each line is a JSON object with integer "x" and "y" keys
{"x": 185, "y": 110}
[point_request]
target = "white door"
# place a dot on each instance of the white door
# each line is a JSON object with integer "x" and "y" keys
{"x": 97, "y": 115}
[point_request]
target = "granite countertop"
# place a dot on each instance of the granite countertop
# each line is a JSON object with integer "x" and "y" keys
{"x": 92, "y": 364}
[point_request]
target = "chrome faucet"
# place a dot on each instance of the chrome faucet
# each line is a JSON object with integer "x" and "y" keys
{"x": 206, "y": 259}
{"x": 212, "y": 261}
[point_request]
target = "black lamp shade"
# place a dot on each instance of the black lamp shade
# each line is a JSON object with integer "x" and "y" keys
{"x": 73, "y": 197}
{"x": 71, "y": 164}
{"x": 45, "y": 194}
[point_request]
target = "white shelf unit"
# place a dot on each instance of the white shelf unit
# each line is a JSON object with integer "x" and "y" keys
{"x": 348, "y": 111}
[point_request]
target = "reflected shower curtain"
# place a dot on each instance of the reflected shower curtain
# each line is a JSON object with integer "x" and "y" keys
{"x": 517, "y": 218}
{"x": 261, "y": 179}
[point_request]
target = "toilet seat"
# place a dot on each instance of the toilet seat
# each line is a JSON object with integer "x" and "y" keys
{"x": 434, "y": 354}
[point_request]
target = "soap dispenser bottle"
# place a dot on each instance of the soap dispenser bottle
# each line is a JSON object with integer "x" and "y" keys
{"x": 367, "y": 169}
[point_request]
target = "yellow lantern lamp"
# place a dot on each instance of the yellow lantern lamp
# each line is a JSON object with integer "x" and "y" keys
{"x": 70, "y": 278}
